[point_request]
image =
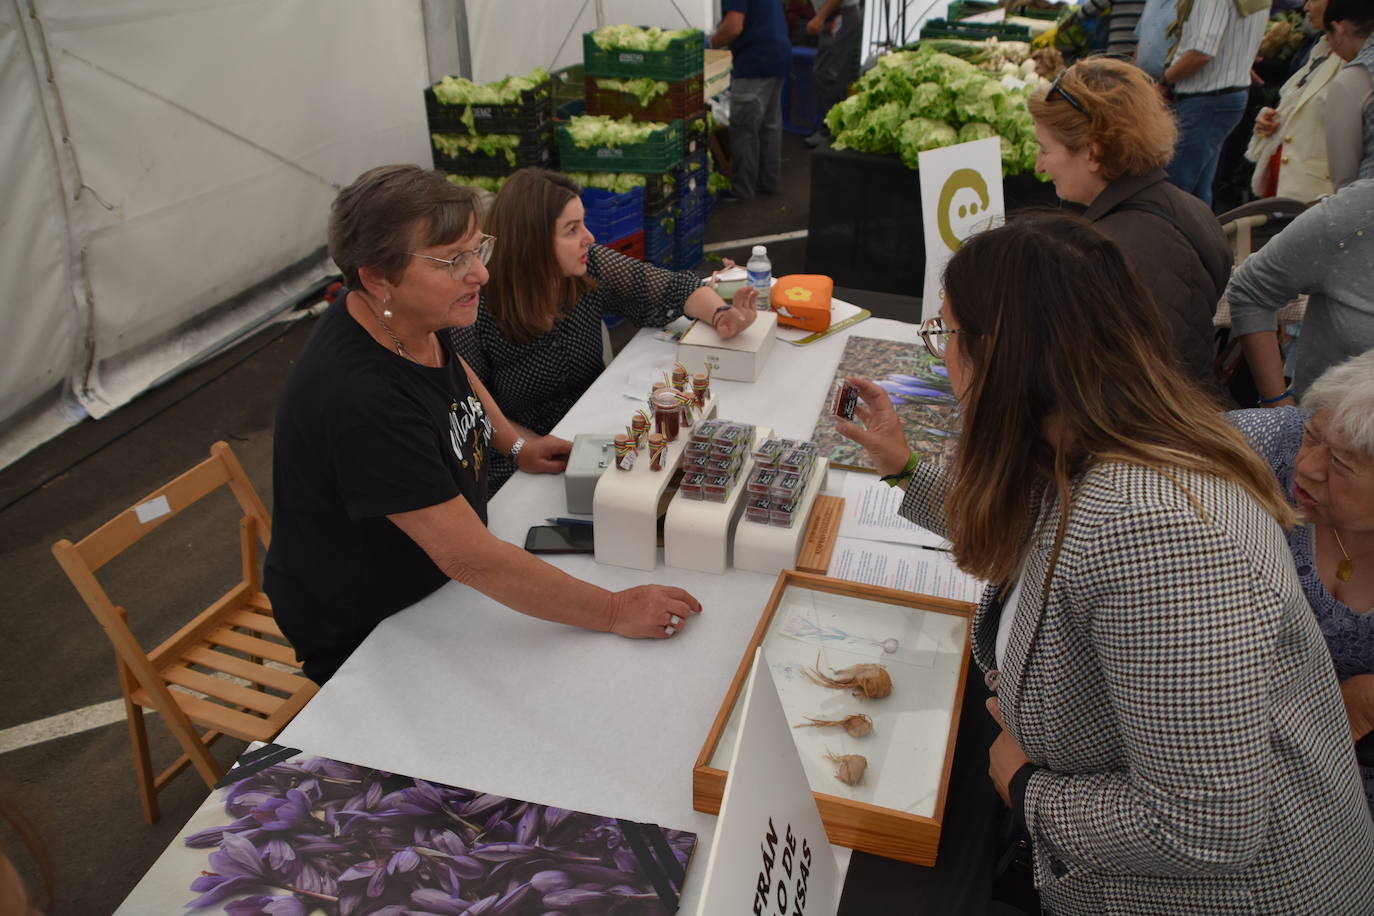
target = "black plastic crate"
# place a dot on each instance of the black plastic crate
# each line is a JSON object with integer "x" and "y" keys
{"x": 534, "y": 108}
{"x": 535, "y": 148}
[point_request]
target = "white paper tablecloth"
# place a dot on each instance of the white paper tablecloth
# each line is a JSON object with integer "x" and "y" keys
{"x": 464, "y": 691}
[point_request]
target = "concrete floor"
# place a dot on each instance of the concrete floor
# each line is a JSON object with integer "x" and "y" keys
{"x": 78, "y": 788}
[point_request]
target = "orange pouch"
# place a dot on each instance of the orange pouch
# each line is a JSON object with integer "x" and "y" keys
{"x": 803, "y": 301}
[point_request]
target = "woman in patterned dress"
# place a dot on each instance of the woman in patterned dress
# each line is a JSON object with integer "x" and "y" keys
{"x": 1323, "y": 456}
{"x": 536, "y": 343}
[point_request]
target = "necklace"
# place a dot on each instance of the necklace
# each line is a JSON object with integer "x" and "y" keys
{"x": 400, "y": 347}
{"x": 1346, "y": 568}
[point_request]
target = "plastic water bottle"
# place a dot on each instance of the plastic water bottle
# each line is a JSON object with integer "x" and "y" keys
{"x": 761, "y": 277}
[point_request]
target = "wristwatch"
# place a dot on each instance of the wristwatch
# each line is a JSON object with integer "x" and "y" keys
{"x": 515, "y": 449}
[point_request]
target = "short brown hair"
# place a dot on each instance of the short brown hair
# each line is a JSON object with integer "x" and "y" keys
{"x": 527, "y": 290}
{"x": 1126, "y": 117}
{"x": 1076, "y": 338}
{"x": 391, "y": 210}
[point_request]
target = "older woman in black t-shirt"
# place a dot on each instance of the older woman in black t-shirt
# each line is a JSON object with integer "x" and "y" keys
{"x": 536, "y": 342}
{"x": 384, "y": 438}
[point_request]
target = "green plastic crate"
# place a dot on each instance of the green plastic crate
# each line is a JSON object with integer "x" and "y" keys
{"x": 682, "y": 58}
{"x": 654, "y": 156}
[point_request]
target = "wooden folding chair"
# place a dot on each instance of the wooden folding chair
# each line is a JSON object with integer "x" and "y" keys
{"x": 220, "y": 658}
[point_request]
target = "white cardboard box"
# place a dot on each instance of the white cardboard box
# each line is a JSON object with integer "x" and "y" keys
{"x": 739, "y": 359}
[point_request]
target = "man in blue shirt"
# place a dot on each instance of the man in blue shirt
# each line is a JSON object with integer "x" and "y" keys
{"x": 756, "y": 33}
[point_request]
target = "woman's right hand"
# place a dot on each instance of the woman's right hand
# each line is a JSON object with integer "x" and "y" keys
{"x": 648, "y": 611}
{"x": 1266, "y": 122}
{"x": 881, "y": 434}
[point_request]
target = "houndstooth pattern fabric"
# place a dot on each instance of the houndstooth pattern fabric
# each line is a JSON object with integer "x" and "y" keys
{"x": 1179, "y": 699}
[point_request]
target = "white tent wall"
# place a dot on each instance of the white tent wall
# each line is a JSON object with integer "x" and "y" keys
{"x": 168, "y": 161}
{"x": 515, "y": 36}
{"x": 204, "y": 143}
{"x": 40, "y": 311}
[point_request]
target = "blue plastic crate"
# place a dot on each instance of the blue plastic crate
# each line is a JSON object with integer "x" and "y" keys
{"x": 624, "y": 223}
{"x": 658, "y": 238}
{"x": 688, "y": 249}
{"x": 800, "y": 114}
{"x": 692, "y": 175}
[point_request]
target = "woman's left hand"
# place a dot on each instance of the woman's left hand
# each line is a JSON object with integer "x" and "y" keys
{"x": 1005, "y": 756}
{"x": 740, "y": 315}
{"x": 544, "y": 455}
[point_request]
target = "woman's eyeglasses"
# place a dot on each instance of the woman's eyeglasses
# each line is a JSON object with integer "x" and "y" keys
{"x": 935, "y": 336}
{"x": 1056, "y": 88}
{"x": 461, "y": 264}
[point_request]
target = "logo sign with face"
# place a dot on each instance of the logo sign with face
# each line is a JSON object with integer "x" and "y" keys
{"x": 961, "y": 194}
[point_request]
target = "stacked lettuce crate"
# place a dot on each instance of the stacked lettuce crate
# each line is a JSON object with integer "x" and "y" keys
{"x": 481, "y": 133}
{"x": 638, "y": 76}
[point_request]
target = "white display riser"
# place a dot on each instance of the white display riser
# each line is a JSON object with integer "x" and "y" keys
{"x": 769, "y": 549}
{"x": 697, "y": 532}
{"x": 625, "y": 505}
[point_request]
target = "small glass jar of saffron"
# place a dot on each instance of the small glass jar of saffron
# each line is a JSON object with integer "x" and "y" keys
{"x": 624, "y": 452}
{"x": 701, "y": 388}
{"x": 639, "y": 427}
{"x": 667, "y": 413}
{"x": 680, "y": 377}
{"x": 657, "y": 444}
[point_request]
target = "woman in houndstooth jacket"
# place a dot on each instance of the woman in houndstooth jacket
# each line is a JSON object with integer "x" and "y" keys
{"x": 1173, "y": 732}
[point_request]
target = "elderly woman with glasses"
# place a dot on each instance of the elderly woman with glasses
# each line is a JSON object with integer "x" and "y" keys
{"x": 536, "y": 343}
{"x": 384, "y": 439}
{"x": 1173, "y": 738}
{"x": 1323, "y": 457}
{"x": 1105, "y": 137}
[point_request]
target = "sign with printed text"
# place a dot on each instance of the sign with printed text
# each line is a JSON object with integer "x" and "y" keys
{"x": 771, "y": 856}
{"x": 961, "y": 194}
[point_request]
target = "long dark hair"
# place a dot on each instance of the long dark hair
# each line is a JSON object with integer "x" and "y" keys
{"x": 1060, "y": 330}
{"x": 527, "y": 290}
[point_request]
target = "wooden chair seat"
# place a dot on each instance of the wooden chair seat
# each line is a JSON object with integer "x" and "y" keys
{"x": 229, "y": 669}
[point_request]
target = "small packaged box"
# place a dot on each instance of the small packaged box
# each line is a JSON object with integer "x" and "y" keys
{"x": 780, "y": 514}
{"x": 756, "y": 509}
{"x": 797, "y": 461}
{"x": 766, "y": 452}
{"x": 761, "y": 481}
{"x": 691, "y": 486}
{"x": 704, "y": 431}
{"x": 786, "y": 487}
{"x": 692, "y": 463}
{"x": 844, "y": 400}
{"x": 725, "y": 467}
{"x": 717, "y": 489}
{"x": 733, "y": 435}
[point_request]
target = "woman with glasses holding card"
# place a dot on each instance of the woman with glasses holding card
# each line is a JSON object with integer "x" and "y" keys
{"x": 384, "y": 438}
{"x": 1173, "y": 737}
{"x": 537, "y": 341}
{"x": 1105, "y": 137}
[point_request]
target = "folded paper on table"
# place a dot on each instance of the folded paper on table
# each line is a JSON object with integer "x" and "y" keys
{"x": 870, "y": 513}
{"x": 911, "y": 569}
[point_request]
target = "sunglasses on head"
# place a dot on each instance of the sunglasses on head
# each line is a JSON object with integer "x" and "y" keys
{"x": 1056, "y": 88}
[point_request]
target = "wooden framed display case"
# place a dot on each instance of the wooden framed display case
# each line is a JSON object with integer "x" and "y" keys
{"x": 922, "y": 641}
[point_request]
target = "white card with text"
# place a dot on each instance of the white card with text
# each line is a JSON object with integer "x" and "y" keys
{"x": 961, "y": 194}
{"x": 770, "y": 856}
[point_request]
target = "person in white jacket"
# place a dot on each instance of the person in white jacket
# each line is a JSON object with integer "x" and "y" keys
{"x": 1288, "y": 145}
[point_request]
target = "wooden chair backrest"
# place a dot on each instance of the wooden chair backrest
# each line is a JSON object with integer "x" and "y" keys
{"x": 81, "y": 560}
{"x": 127, "y": 528}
